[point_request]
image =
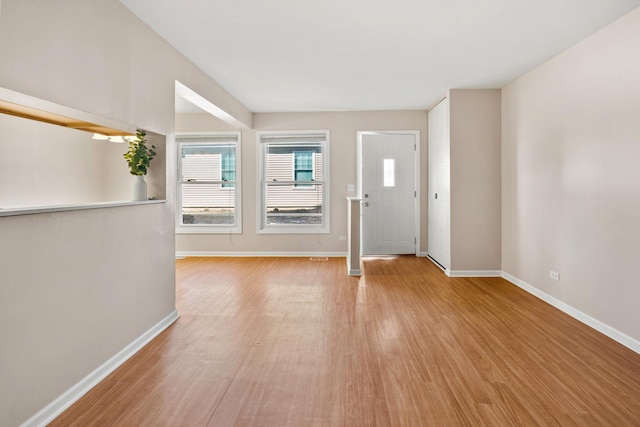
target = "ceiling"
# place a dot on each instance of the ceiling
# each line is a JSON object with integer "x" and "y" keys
{"x": 346, "y": 55}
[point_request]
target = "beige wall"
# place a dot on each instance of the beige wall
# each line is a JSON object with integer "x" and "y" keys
{"x": 571, "y": 176}
{"x": 44, "y": 164}
{"x": 77, "y": 287}
{"x": 474, "y": 117}
{"x": 343, "y": 127}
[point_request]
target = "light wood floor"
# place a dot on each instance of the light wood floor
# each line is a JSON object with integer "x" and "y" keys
{"x": 295, "y": 342}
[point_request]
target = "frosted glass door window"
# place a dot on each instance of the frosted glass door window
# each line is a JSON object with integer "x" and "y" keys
{"x": 389, "y": 168}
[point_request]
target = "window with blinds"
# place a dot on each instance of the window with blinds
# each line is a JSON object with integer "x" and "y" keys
{"x": 208, "y": 191}
{"x": 294, "y": 184}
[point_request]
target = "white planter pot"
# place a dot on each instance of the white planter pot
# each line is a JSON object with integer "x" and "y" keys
{"x": 139, "y": 188}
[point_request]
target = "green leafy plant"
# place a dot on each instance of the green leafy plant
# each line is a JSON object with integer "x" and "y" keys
{"x": 139, "y": 155}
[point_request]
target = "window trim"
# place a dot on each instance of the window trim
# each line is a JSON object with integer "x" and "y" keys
{"x": 198, "y": 139}
{"x": 261, "y": 226}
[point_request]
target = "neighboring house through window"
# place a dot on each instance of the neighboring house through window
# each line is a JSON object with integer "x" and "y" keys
{"x": 208, "y": 191}
{"x": 302, "y": 167}
{"x": 294, "y": 182}
{"x": 228, "y": 169}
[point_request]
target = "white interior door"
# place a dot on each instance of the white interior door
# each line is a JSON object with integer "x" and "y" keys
{"x": 388, "y": 189}
{"x": 439, "y": 189}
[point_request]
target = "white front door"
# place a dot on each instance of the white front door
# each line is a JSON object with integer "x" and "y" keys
{"x": 388, "y": 189}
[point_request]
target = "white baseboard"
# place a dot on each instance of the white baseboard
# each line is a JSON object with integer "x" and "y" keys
{"x": 473, "y": 273}
{"x": 422, "y": 254}
{"x": 352, "y": 271}
{"x": 599, "y": 326}
{"x": 438, "y": 265}
{"x": 66, "y": 399}
{"x": 183, "y": 254}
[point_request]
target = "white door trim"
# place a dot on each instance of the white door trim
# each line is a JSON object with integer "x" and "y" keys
{"x": 416, "y": 134}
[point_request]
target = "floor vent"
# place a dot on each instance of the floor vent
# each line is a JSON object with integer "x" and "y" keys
{"x": 318, "y": 258}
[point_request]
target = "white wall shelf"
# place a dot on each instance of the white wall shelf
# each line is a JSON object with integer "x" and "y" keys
{"x": 63, "y": 208}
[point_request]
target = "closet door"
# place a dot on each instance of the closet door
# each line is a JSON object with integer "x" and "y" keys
{"x": 439, "y": 185}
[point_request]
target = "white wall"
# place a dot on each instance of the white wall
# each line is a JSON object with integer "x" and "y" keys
{"x": 571, "y": 176}
{"x": 77, "y": 287}
{"x": 343, "y": 127}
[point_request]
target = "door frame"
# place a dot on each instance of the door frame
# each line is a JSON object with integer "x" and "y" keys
{"x": 416, "y": 165}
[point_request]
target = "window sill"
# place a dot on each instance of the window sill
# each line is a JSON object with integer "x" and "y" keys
{"x": 65, "y": 208}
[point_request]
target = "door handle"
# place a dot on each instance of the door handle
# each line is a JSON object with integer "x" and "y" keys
{"x": 365, "y": 204}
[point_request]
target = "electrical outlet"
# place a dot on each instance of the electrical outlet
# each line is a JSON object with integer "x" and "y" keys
{"x": 342, "y": 237}
{"x": 554, "y": 275}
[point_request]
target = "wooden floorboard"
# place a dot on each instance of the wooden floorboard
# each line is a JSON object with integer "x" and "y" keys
{"x": 296, "y": 342}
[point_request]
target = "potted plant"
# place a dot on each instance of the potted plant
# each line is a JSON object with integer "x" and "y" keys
{"x": 138, "y": 158}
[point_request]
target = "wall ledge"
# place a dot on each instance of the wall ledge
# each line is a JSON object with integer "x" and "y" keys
{"x": 64, "y": 208}
{"x": 66, "y": 399}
